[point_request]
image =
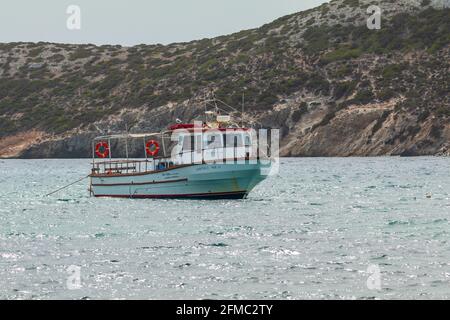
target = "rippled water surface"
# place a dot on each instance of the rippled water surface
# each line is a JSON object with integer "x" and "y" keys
{"x": 309, "y": 233}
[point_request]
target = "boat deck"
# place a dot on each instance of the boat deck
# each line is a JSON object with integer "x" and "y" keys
{"x": 143, "y": 167}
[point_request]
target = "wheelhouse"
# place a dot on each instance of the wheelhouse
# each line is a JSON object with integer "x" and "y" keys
{"x": 213, "y": 145}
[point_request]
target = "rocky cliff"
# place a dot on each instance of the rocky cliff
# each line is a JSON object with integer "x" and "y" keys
{"x": 333, "y": 87}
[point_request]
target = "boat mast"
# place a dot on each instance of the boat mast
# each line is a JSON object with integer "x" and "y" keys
{"x": 215, "y": 104}
{"x": 145, "y": 152}
{"x": 126, "y": 140}
{"x": 205, "y": 102}
{"x": 243, "y": 106}
{"x": 163, "y": 143}
{"x": 93, "y": 154}
{"x": 110, "y": 156}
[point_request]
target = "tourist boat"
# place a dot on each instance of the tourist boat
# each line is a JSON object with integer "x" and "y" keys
{"x": 207, "y": 160}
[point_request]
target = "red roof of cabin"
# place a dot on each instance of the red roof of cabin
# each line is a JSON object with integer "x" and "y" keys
{"x": 191, "y": 127}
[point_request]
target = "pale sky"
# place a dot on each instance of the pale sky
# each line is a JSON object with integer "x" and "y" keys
{"x": 134, "y": 22}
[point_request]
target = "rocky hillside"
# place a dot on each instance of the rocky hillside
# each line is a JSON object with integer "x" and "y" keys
{"x": 334, "y": 87}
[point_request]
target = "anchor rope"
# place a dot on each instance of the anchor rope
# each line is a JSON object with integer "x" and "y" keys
{"x": 66, "y": 186}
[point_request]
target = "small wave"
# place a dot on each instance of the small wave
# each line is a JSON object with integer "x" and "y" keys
{"x": 315, "y": 204}
{"x": 219, "y": 244}
{"x": 399, "y": 222}
{"x": 380, "y": 257}
{"x": 68, "y": 200}
{"x": 368, "y": 298}
{"x": 440, "y": 220}
{"x": 184, "y": 265}
{"x": 216, "y": 233}
{"x": 215, "y": 244}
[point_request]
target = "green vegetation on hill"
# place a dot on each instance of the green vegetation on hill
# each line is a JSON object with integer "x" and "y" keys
{"x": 77, "y": 85}
{"x": 428, "y": 30}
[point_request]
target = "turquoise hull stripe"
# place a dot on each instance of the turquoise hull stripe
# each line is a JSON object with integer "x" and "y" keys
{"x": 235, "y": 180}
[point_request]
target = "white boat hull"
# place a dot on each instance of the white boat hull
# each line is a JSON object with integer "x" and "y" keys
{"x": 231, "y": 180}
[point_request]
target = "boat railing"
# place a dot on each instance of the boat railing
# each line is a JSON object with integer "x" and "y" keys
{"x": 207, "y": 155}
{"x": 131, "y": 166}
{"x": 201, "y": 156}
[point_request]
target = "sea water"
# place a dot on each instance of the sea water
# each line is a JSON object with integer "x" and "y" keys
{"x": 337, "y": 228}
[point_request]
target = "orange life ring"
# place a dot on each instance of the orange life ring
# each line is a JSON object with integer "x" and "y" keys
{"x": 102, "y": 149}
{"x": 152, "y": 148}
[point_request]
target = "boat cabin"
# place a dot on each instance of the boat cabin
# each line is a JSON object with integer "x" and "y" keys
{"x": 212, "y": 145}
{"x": 181, "y": 145}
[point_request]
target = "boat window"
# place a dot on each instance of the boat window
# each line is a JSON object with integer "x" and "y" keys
{"x": 198, "y": 143}
{"x": 233, "y": 140}
{"x": 247, "y": 140}
{"x": 187, "y": 143}
{"x": 213, "y": 141}
{"x": 190, "y": 143}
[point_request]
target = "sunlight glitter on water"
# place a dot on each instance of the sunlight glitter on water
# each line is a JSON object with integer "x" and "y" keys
{"x": 310, "y": 232}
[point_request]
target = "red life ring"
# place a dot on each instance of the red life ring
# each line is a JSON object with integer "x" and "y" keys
{"x": 152, "y": 148}
{"x": 102, "y": 149}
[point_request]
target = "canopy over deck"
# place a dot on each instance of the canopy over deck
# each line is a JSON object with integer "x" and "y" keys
{"x": 131, "y": 135}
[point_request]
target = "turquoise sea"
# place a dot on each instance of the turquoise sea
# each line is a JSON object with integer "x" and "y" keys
{"x": 320, "y": 229}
